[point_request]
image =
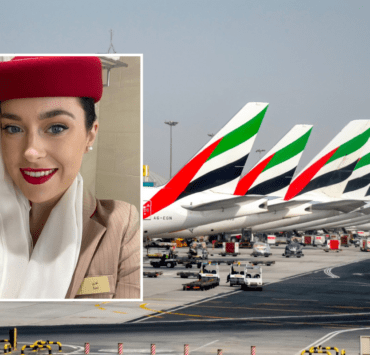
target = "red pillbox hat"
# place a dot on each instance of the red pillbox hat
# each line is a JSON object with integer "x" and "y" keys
{"x": 57, "y": 76}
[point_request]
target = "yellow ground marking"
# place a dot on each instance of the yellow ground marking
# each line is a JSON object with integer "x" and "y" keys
{"x": 268, "y": 309}
{"x": 143, "y": 306}
{"x": 104, "y": 309}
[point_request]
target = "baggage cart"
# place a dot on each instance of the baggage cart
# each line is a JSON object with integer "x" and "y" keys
{"x": 332, "y": 245}
{"x": 345, "y": 240}
{"x": 365, "y": 244}
{"x": 319, "y": 240}
{"x": 185, "y": 275}
{"x": 153, "y": 274}
{"x": 307, "y": 239}
{"x": 271, "y": 239}
{"x": 230, "y": 248}
{"x": 200, "y": 285}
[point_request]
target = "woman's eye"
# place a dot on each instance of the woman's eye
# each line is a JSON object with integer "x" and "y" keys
{"x": 56, "y": 129}
{"x": 12, "y": 129}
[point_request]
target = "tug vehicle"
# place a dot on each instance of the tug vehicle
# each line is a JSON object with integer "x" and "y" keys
{"x": 209, "y": 271}
{"x": 293, "y": 249}
{"x": 252, "y": 278}
{"x": 169, "y": 260}
{"x": 236, "y": 275}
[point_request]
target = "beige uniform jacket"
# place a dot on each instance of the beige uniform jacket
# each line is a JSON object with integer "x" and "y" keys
{"x": 109, "y": 261}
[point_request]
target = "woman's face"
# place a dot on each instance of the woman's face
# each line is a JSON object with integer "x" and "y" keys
{"x": 43, "y": 141}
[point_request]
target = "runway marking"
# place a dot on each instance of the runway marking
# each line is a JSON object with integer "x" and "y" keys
{"x": 143, "y": 306}
{"x": 288, "y": 299}
{"x": 330, "y": 336}
{"x": 277, "y": 317}
{"x": 234, "y": 292}
{"x": 181, "y": 307}
{"x": 262, "y": 309}
{"x": 329, "y": 273}
{"x": 212, "y": 342}
{"x": 347, "y": 307}
{"x": 358, "y": 283}
{"x": 99, "y": 306}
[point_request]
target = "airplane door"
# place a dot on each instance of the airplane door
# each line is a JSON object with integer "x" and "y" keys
{"x": 147, "y": 210}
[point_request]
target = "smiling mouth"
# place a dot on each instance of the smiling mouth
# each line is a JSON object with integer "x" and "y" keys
{"x": 37, "y": 176}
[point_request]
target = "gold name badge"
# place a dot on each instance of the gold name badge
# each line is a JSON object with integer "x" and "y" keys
{"x": 90, "y": 285}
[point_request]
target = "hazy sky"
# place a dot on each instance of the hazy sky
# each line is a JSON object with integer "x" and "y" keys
{"x": 204, "y": 60}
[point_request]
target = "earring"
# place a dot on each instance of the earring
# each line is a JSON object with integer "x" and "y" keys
{"x": 90, "y": 148}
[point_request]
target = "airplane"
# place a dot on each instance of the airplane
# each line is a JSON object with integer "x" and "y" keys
{"x": 201, "y": 192}
{"x": 322, "y": 182}
{"x": 356, "y": 189}
{"x": 270, "y": 176}
{"x": 324, "y": 179}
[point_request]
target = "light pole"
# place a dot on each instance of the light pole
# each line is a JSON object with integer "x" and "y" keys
{"x": 171, "y": 124}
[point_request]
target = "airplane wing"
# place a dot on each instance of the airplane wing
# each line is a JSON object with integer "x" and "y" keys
{"x": 345, "y": 206}
{"x": 286, "y": 204}
{"x": 223, "y": 204}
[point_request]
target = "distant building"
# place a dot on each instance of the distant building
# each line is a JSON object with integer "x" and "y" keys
{"x": 154, "y": 180}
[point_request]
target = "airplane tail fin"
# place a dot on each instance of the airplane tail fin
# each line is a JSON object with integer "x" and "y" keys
{"x": 274, "y": 172}
{"x": 218, "y": 165}
{"x": 358, "y": 184}
{"x": 328, "y": 172}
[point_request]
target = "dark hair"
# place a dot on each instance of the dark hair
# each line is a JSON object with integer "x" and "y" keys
{"x": 88, "y": 106}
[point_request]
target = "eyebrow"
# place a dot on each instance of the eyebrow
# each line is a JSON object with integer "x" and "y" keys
{"x": 42, "y": 116}
{"x": 54, "y": 113}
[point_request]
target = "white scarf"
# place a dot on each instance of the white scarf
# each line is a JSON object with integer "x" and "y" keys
{"x": 46, "y": 272}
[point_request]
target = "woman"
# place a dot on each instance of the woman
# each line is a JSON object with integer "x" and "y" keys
{"x": 57, "y": 241}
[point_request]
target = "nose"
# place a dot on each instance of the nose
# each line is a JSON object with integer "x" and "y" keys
{"x": 35, "y": 148}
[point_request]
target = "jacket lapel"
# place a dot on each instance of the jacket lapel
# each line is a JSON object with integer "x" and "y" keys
{"x": 91, "y": 234}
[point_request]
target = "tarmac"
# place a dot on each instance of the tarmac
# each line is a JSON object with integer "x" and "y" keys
{"x": 319, "y": 296}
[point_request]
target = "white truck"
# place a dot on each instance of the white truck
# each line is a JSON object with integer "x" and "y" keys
{"x": 252, "y": 278}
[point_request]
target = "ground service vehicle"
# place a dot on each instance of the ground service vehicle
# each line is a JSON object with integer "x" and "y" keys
{"x": 230, "y": 248}
{"x": 198, "y": 251}
{"x": 319, "y": 240}
{"x": 307, "y": 239}
{"x": 365, "y": 244}
{"x": 236, "y": 276}
{"x": 261, "y": 249}
{"x": 332, "y": 244}
{"x": 252, "y": 278}
{"x": 345, "y": 240}
{"x": 293, "y": 249}
{"x": 209, "y": 271}
{"x": 168, "y": 260}
{"x": 271, "y": 239}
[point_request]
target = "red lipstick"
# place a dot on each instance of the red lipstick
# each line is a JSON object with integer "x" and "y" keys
{"x": 37, "y": 180}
